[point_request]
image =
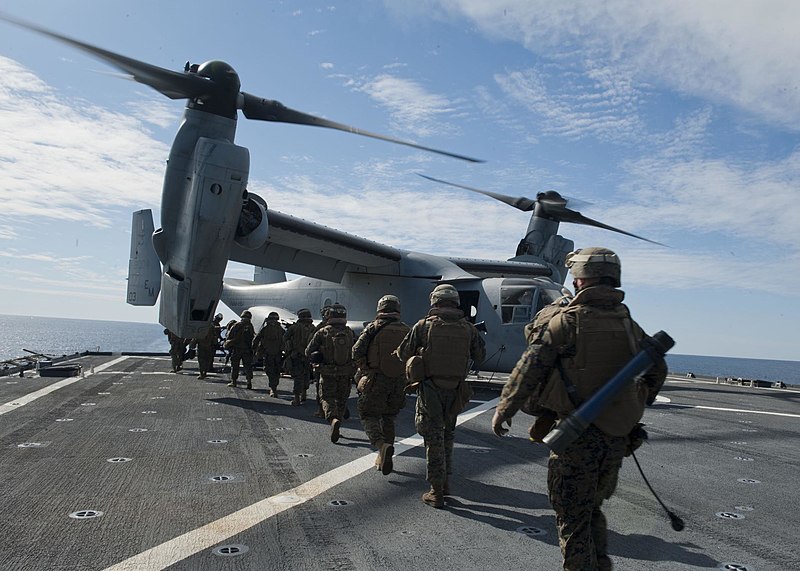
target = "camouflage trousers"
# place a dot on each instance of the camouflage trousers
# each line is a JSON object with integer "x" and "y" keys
{"x": 436, "y": 424}
{"x": 205, "y": 358}
{"x": 378, "y": 405}
{"x": 578, "y": 481}
{"x": 300, "y": 369}
{"x": 176, "y": 355}
{"x": 335, "y": 391}
{"x": 245, "y": 358}
{"x": 272, "y": 367}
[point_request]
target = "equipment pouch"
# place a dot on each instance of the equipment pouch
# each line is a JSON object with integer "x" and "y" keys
{"x": 415, "y": 369}
{"x": 463, "y": 394}
{"x": 542, "y": 426}
{"x": 365, "y": 383}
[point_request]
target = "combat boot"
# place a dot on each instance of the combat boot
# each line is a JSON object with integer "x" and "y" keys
{"x": 434, "y": 498}
{"x": 273, "y": 393}
{"x": 335, "y": 425}
{"x": 296, "y": 399}
{"x": 385, "y": 454}
{"x": 232, "y": 384}
{"x": 446, "y": 487}
{"x": 320, "y": 413}
{"x": 303, "y": 396}
{"x": 249, "y": 384}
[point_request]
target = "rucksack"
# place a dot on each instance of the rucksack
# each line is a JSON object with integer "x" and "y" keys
{"x": 338, "y": 346}
{"x": 379, "y": 354}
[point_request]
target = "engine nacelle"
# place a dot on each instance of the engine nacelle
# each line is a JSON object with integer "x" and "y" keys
{"x": 253, "y": 228}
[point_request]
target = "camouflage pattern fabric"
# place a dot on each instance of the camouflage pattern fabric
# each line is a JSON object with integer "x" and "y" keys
{"x": 245, "y": 357}
{"x": 335, "y": 391}
{"x": 300, "y": 370}
{"x": 436, "y": 425}
{"x": 578, "y": 481}
{"x": 378, "y": 406}
{"x": 272, "y": 366}
{"x": 206, "y": 347}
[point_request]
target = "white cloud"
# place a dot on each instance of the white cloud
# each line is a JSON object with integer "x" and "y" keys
{"x": 740, "y": 52}
{"x": 71, "y": 160}
{"x": 413, "y": 108}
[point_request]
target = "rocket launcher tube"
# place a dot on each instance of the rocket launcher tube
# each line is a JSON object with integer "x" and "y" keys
{"x": 572, "y": 427}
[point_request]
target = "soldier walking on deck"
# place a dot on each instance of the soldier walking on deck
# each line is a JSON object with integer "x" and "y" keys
{"x": 240, "y": 343}
{"x": 207, "y": 346}
{"x": 332, "y": 348}
{"x": 381, "y": 381}
{"x": 581, "y": 347}
{"x": 177, "y": 349}
{"x": 268, "y": 345}
{"x": 295, "y": 341}
{"x": 443, "y": 343}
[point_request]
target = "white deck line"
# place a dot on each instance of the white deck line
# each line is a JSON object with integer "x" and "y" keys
{"x": 205, "y": 537}
{"x": 29, "y": 398}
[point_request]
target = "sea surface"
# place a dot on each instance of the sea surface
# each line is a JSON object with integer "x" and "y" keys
{"x": 55, "y": 336}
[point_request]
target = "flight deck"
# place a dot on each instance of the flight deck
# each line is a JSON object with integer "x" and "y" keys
{"x": 132, "y": 467}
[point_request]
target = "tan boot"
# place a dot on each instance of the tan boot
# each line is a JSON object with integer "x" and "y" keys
{"x": 386, "y": 453}
{"x": 434, "y": 498}
{"x": 335, "y": 425}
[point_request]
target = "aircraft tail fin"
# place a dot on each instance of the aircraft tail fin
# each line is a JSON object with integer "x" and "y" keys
{"x": 144, "y": 268}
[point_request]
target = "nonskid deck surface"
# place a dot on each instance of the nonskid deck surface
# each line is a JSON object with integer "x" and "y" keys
{"x": 132, "y": 467}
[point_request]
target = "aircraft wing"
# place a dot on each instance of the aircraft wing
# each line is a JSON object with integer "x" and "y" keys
{"x": 301, "y": 247}
{"x": 500, "y": 269}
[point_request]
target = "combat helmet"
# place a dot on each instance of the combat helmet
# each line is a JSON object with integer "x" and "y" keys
{"x": 389, "y": 303}
{"x": 246, "y": 314}
{"x": 444, "y": 292}
{"x": 337, "y": 310}
{"x": 595, "y": 262}
{"x": 273, "y": 315}
{"x": 304, "y": 313}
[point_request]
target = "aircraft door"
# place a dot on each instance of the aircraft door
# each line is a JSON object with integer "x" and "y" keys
{"x": 469, "y": 303}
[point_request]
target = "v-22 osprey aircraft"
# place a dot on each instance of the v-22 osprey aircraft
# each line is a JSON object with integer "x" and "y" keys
{"x": 500, "y": 296}
{"x": 208, "y": 217}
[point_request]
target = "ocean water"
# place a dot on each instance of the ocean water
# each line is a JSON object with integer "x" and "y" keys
{"x": 55, "y": 336}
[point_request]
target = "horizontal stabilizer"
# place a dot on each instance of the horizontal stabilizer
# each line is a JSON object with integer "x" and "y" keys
{"x": 144, "y": 269}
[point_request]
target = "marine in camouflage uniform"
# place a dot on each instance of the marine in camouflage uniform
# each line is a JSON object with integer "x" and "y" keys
{"x": 439, "y": 397}
{"x": 335, "y": 365}
{"x": 240, "y": 343}
{"x": 319, "y": 413}
{"x": 582, "y": 346}
{"x": 268, "y": 346}
{"x": 295, "y": 341}
{"x": 207, "y": 346}
{"x": 381, "y": 380}
{"x": 177, "y": 348}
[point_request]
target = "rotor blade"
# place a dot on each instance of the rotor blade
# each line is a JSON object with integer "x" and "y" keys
{"x": 519, "y": 202}
{"x": 170, "y": 83}
{"x": 270, "y": 110}
{"x": 563, "y": 214}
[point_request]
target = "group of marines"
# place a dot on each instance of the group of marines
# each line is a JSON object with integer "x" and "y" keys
{"x": 574, "y": 346}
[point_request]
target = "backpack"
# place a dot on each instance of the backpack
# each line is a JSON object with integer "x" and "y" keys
{"x": 337, "y": 346}
{"x": 447, "y": 351}
{"x": 379, "y": 354}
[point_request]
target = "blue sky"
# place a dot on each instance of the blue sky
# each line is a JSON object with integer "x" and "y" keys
{"x": 675, "y": 120}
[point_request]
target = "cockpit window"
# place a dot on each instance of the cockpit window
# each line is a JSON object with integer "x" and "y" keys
{"x": 516, "y": 302}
